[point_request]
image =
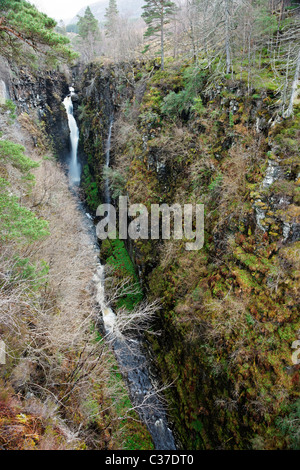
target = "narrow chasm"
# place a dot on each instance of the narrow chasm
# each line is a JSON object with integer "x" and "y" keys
{"x": 150, "y": 227}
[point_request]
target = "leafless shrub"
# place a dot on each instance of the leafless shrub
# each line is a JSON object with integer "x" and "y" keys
{"x": 116, "y": 288}
{"x": 136, "y": 321}
{"x": 48, "y": 320}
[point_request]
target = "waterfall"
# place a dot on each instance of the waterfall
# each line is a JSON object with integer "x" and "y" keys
{"x": 108, "y": 315}
{"x": 130, "y": 353}
{"x": 4, "y": 93}
{"x": 74, "y": 166}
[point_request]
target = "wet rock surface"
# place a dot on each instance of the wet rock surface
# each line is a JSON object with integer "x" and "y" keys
{"x": 132, "y": 358}
{"x": 44, "y": 93}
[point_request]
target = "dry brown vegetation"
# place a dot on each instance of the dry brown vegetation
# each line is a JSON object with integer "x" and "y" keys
{"x": 59, "y": 388}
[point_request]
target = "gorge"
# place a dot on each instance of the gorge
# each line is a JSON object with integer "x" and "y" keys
{"x": 133, "y": 361}
{"x": 138, "y": 343}
{"x": 99, "y": 146}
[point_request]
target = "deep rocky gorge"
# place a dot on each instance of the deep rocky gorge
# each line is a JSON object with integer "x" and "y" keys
{"x": 228, "y": 312}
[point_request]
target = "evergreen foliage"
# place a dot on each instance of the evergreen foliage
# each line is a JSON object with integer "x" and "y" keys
{"x": 88, "y": 25}
{"x": 89, "y": 34}
{"x": 111, "y": 16}
{"x": 17, "y": 222}
{"x": 14, "y": 154}
{"x": 21, "y": 24}
{"x": 157, "y": 15}
{"x": 178, "y": 104}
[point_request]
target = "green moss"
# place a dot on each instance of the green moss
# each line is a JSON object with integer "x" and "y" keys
{"x": 117, "y": 256}
{"x": 133, "y": 434}
{"x": 90, "y": 189}
{"x": 222, "y": 307}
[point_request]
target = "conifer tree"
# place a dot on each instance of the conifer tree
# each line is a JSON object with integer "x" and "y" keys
{"x": 88, "y": 30}
{"x": 111, "y": 16}
{"x": 157, "y": 14}
{"x": 21, "y": 24}
{"x": 87, "y": 24}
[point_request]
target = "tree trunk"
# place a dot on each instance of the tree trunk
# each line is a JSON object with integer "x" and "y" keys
{"x": 162, "y": 41}
{"x": 191, "y": 17}
{"x": 227, "y": 37}
{"x": 289, "y": 111}
{"x": 176, "y": 38}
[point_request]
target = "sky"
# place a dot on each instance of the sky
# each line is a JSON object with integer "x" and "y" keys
{"x": 61, "y": 9}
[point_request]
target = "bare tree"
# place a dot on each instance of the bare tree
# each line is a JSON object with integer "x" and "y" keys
{"x": 294, "y": 87}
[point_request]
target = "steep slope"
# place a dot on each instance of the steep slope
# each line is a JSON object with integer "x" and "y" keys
{"x": 229, "y": 311}
{"x": 60, "y": 387}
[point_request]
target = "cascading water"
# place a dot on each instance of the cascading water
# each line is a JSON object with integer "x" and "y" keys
{"x": 74, "y": 166}
{"x": 108, "y": 315}
{"x": 132, "y": 358}
{"x": 4, "y": 93}
{"x": 130, "y": 353}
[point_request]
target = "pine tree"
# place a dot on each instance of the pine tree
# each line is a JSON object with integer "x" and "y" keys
{"x": 17, "y": 222}
{"x": 21, "y": 24}
{"x": 111, "y": 16}
{"x": 88, "y": 30}
{"x": 87, "y": 24}
{"x": 157, "y": 14}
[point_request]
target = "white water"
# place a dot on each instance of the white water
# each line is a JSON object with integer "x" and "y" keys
{"x": 108, "y": 315}
{"x": 4, "y": 93}
{"x": 74, "y": 166}
{"x": 130, "y": 353}
{"x": 74, "y": 175}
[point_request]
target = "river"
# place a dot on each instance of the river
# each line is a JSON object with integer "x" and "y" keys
{"x": 131, "y": 353}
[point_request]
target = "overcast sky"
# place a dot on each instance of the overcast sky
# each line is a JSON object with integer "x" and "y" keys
{"x": 61, "y": 9}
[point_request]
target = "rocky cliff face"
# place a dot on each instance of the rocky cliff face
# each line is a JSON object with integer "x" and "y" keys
{"x": 100, "y": 95}
{"x": 41, "y": 94}
{"x": 229, "y": 311}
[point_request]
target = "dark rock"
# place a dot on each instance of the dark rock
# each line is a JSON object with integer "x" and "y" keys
{"x": 44, "y": 92}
